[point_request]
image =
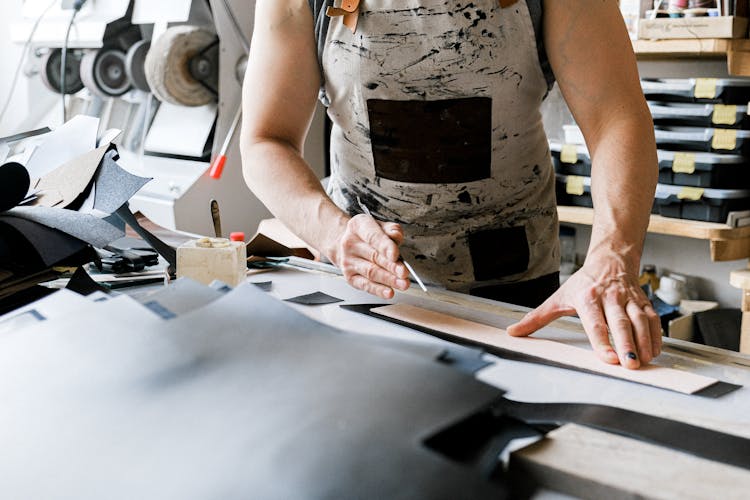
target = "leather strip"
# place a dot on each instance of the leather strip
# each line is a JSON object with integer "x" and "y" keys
{"x": 507, "y": 3}
{"x": 686, "y": 438}
{"x": 715, "y": 390}
{"x": 349, "y": 11}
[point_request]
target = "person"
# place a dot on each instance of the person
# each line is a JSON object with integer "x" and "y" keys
{"x": 437, "y": 132}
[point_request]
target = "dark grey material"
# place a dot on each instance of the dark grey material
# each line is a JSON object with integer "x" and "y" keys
{"x": 93, "y": 230}
{"x": 114, "y": 185}
{"x": 245, "y": 398}
{"x": 314, "y": 299}
{"x": 697, "y": 441}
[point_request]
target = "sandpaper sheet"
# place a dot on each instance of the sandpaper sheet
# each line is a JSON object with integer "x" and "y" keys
{"x": 495, "y": 340}
{"x": 93, "y": 230}
{"x": 64, "y": 185}
{"x": 114, "y": 185}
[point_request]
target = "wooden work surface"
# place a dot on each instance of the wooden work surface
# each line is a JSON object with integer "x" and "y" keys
{"x": 727, "y": 243}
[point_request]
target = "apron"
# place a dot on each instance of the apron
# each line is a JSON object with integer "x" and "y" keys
{"x": 436, "y": 125}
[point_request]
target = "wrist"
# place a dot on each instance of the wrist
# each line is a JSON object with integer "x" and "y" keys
{"x": 614, "y": 255}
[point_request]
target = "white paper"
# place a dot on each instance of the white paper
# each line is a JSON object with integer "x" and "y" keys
{"x": 181, "y": 130}
{"x": 166, "y": 11}
{"x": 74, "y": 138}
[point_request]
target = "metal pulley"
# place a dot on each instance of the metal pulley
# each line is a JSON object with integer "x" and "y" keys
{"x": 182, "y": 66}
{"x": 135, "y": 65}
{"x": 51, "y": 76}
{"x": 104, "y": 72}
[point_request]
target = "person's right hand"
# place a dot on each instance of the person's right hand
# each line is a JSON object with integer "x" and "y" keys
{"x": 368, "y": 255}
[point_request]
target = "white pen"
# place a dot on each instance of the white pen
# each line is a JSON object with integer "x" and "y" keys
{"x": 408, "y": 266}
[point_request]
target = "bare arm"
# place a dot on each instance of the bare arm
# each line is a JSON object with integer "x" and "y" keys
{"x": 279, "y": 96}
{"x": 595, "y": 67}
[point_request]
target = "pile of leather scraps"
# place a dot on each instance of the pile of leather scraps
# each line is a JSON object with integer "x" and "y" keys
{"x": 58, "y": 193}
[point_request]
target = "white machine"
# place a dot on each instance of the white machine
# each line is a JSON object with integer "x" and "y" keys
{"x": 169, "y": 75}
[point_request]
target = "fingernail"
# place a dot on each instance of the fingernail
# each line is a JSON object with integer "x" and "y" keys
{"x": 631, "y": 355}
{"x": 402, "y": 284}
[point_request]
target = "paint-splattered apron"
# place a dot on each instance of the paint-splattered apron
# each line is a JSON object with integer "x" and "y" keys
{"x": 436, "y": 125}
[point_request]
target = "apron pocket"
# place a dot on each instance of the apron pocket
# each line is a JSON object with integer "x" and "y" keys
{"x": 497, "y": 253}
{"x": 432, "y": 142}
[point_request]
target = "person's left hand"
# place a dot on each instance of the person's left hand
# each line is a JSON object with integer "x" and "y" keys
{"x": 607, "y": 298}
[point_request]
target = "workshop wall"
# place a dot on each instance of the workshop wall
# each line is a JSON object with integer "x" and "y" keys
{"x": 30, "y": 101}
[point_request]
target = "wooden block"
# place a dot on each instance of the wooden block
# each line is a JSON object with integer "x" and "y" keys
{"x": 745, "y": 333}
{"x": 726, "y": 250}
{"x": 564, "y": 354}
{"x": 588, "y": 463}
{"x": 210, "y": 259}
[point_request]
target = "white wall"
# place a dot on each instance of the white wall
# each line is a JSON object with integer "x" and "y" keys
{"x": 31, "y": 100}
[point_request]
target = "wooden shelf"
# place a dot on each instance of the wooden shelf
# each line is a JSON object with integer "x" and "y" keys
{"x": 727, "y": 243}
{"x": 736, "y": 51}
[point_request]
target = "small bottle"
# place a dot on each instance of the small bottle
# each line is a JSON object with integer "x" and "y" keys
{"x": 649, "y": 278}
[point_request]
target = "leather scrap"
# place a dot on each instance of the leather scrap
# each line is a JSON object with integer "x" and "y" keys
{"x": 507, "y": 3}
{"x": 349, "y": 11}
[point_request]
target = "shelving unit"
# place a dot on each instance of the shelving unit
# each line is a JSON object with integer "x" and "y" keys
{"x": 736, "y": 51}
{"x": 726, "y": 243}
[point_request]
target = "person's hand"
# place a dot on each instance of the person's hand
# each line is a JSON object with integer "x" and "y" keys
{"x": 368, "y": 255}
{"x": 607, "y": 299}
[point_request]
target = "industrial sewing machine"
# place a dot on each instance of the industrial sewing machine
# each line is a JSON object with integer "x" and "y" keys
{"x": 169, "y": 76}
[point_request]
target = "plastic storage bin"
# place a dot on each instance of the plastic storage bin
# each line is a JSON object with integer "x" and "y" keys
{"x": 703, "y": 90}
{"x": 563, "y": 156}
{"x": 699, "y": 115}
{"x": 715, "y": 140}
{"x": 709, "y": 205}
{"x": 706, "y": 170}
{"x": 573, "y": 190}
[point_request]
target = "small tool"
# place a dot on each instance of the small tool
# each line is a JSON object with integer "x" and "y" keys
{"x": 217, "y": 166}
{"x": 366, "y": 210}
{"x": 216, "y": 218}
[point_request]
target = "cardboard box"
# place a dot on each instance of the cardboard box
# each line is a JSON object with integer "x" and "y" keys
{"x": 692, "y": 27}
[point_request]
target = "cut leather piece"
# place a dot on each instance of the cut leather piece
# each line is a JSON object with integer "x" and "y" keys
{"x": 115, "y": 185}
{"x": 507, "y": 3}
{"x": 93, "y": 230}
{"x": 547, "y": 352}
{"x": 697, "y": 441}
{"x": 62, "y": 186}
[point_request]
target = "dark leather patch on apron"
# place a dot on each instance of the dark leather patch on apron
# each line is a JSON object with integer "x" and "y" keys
{"x": 432, "y": 142}
{"x": 497, "y": 253}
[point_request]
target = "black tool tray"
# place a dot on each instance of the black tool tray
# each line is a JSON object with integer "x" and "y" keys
{"x": 705, "y": 170}
{"x": 726, "y": 90}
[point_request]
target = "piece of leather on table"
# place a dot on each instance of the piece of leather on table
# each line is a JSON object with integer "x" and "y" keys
{"x": 14, "y": 184}
{"x": 62, "y": 186}
{"x": 43, "y": 246}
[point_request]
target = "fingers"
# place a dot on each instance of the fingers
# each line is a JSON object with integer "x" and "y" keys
{"x": 369, "y": 257}
{"x": 655, "y": 329}
{"x": 540, "y": 317}
{"x": 622, "y": 332}
{"x": 641, "y": 331}
{"x": 595, "y": 326}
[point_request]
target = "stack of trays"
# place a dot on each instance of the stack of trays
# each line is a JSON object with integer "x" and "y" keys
{"x": 702, "y": 131}
{"x": 685, "y": 183}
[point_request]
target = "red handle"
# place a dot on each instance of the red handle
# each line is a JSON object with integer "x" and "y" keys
{"x": 217, "y": 167}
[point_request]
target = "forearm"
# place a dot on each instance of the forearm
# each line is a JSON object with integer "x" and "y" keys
{"x": 624, "y": 176}
{"x": 281, "y": 179}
